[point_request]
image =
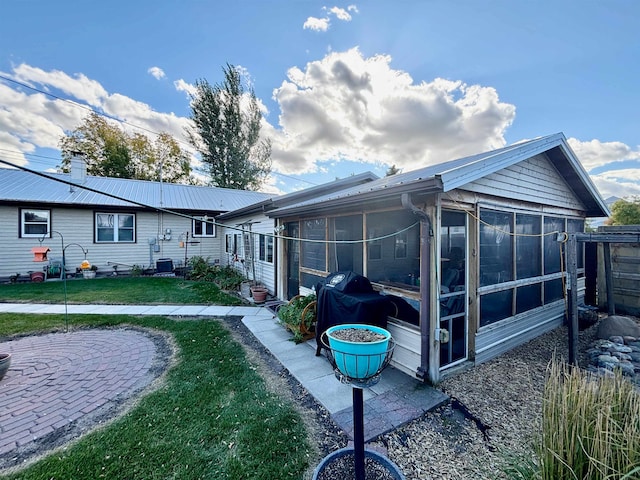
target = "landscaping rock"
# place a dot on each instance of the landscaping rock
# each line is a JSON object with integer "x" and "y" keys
{"x": 617, "y": 325}
{"x": 615, "y": 353}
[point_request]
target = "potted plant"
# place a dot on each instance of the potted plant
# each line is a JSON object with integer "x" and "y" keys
{"x": 5, "y": 363}
{"x": 299, "y": 317}
{"x": 88, "y": 270}
{"x": 259, "y": 293}
{"x": 358, "y": 350}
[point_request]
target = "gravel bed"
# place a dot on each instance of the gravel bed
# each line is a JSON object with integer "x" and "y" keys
{"x": 495, "y": 412}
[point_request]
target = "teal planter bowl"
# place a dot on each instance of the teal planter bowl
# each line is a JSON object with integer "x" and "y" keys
{"x": 358, "y": 360}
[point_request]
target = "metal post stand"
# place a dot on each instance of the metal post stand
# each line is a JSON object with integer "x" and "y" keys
{"x": 358, "y": 432}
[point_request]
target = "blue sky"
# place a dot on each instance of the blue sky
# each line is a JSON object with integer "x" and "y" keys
{"x": 345, "y": 87}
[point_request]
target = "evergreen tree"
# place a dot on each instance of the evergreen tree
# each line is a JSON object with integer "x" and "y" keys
{"x": 226, "y": 132}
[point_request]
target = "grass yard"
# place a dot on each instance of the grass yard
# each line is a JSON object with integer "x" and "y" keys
{"x": 213, "y": 418}
{"x": 119, "y": 290}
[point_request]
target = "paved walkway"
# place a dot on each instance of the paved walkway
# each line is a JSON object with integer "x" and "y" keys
{"x": 55, "y": 379}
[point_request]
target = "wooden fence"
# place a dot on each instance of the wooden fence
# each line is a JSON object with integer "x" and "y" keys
{"x": 625, "y": 271}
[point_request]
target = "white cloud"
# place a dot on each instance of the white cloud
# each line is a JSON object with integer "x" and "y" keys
{"x": 183, "y": 86}
{"x": 340, "y": 13}
{"x": 619, "y": 183}
{"x": 353, "y": 8}
{"x": 30, "y": 119}
{"x": 316, "y": 24}
{"x": 156, "y": 72}
{"x": 348, "y": 106}
{"x": 595, "y": 153}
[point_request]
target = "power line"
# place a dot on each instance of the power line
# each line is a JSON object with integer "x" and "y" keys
{"x": 111, "y": 117}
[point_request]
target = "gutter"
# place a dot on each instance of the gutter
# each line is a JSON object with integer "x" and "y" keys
{"x": 426, "y": 232}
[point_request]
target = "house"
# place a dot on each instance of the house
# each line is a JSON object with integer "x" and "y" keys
{"x": 249, "y": 234}
{"x": 111, "y": 222}
{"x": 473, "y": 247}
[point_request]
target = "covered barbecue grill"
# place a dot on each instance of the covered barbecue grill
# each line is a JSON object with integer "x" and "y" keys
{"x": 347, "y": 297}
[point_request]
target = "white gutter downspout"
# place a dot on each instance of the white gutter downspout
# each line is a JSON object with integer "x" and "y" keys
{"x": 426, "y": 232}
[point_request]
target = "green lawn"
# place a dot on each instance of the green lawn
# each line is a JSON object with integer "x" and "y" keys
{"x": 118, "y": 290}
{"x": 214, "y": 418}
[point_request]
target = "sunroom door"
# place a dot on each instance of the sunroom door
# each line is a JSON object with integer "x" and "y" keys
{"x": 453, "y": 287}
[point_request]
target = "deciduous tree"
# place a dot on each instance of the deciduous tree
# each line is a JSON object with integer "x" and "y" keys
{"x": 226, "y": 131}
{"x": 626, "y": 212}
{"x": 110, "y": 152}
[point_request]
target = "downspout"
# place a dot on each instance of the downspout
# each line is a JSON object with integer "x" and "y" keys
{"x": 426, "y": 232}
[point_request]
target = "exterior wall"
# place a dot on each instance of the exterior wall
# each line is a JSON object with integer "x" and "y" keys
{"x": 77, "y": 227}
{"x": 535, "y": 180}
{"x": 265, "y": 272}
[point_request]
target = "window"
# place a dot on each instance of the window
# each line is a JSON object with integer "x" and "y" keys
{"x": 204, "y": 227}
{"x": 265, "y": 248}
{"x": 528, "y": 246}
{"x": 496, "y": 247}
{"x": 115, "y": 227}
{"x": 395, "y": 257}
{"x": 314, "y": 254}
{"x": 35, "y": 223}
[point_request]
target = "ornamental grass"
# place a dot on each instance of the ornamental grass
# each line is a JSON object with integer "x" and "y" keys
{"x": 590, "y": 426}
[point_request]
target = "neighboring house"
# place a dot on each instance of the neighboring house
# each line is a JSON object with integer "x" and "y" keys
{"x": 470, "y": 244}
{"x": 120, "y": 222}
{"x": 249, "y": 234}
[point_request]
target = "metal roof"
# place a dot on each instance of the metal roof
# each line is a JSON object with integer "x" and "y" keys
{"x": 301, "y": 195}
{"x": 447, "y": 176}
{"x": 59, "y": 189}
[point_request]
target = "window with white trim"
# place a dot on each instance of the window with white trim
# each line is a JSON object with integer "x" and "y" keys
{"x": 115, "y": 227}
{"x": 203, "y": 227}
{"x": 265, "y": 248}
{"x": 35, "y": 223}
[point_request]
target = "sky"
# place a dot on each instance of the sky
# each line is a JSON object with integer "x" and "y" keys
{"x": 344, "y": 87}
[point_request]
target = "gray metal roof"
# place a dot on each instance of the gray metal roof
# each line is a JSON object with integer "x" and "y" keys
{"x": 51, "y": 188}
{"x": 447, "y": 176}
{"x": 302, "y": 195}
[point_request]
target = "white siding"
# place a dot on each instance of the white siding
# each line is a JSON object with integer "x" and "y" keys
{"x": 264, "y": 271}
{"x": 534, "y": 180}
{"x": 77, "y": 227}
{"x": 406, "y": 356}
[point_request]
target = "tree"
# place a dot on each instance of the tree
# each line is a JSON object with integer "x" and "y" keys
{"x": 110, "y": 152}
{"x": 626, "y": 212}
{"x": 392, "y": 170}
{"x": 226, "y": 132}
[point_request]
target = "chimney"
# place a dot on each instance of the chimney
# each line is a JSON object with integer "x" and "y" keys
{"x": 78, "y": 168}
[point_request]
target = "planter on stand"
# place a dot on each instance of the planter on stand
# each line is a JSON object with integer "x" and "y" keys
{"x": 5, "y": 363}
{"x": 358, "y": 353}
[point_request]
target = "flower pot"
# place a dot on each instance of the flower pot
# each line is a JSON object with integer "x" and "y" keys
{"x": 358, "y": 359}
{"x": 37, "y": 276}
{"x": 5, "y": 363}
{"x": 336, "y": 465}
{"x": 259, "y": 294}
{"x": 89, "y": 274}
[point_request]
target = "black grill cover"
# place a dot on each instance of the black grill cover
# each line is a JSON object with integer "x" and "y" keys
{"x": 347, "y": 297}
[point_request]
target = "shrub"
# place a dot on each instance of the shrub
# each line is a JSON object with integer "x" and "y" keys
{"x": 225, "y": 277}
{"x": 291, "y": 316}
{"x": 590, "y": 426}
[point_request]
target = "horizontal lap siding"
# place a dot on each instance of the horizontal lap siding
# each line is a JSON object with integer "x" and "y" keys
{"x": 77, "y": 227}
{"x": 496, "y": 339}
{"x": 406, "y": 356}
{"x": 534, "y": 180}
